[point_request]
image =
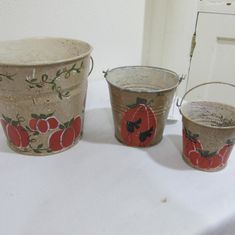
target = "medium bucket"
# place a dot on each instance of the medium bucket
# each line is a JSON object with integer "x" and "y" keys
{"x": 43, "y": 84}
{"x": 208, "y": 132}
{"x": 141, "y": 97}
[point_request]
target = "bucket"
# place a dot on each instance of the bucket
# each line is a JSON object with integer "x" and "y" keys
{"x": 141, "y": 98}
{"x": 43, "y": 84}
{"x": 208, "y": 132}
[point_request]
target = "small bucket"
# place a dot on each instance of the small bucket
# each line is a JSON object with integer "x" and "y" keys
{"x": 43, "y": 84}
{"x": 208, "y": 132}
{"x": 141, "y": 97}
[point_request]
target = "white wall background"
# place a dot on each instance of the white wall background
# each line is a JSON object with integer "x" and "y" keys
{"x": 169, "y": 27}
{"x": 122, "y": 32}
{"x": 113, "y": 27}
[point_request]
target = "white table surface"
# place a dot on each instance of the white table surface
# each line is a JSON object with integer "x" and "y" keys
{"x": 100, "y": 187}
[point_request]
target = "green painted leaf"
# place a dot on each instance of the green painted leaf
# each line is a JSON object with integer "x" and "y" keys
{"x": 230, "y": 142}
{"x": 43, "y": 116}
{"x": 27, "y": 128}
{"x": 58, "y": 73}
{"x": 141, "y": 101}
{"x": 131, "y": 106}
{"x": 53, "y": 87}
{"x": 37, "y": 151}
{"x": 50, "y": 114}
{"x": 40, "y": 146}
{"x": 7, "y": 119}
{"x": 20, "y": 118}
{"x": 33, "y": 115}
{"x": 60, "y": 95}
{"x": 15, "y": 123}
{"x": 66, "y": 124}
{"x": 191, "y": 135}
{"x": 206, "y": 153}
{"x": 138, "y": 101}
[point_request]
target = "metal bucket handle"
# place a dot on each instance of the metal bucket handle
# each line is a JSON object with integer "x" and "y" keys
{"x": 92, "y": 65}
{"x": 179, "y": 104}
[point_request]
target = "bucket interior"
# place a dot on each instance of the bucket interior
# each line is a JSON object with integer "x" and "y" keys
{"x": 35, "y": 51}
{"x": 142, "y": 78}
{"x": 210, "y": 114}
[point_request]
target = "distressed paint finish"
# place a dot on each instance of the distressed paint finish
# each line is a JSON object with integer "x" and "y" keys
{"x": 199, "y": 157}
{"x": 42, "y": 92}
{"x": 139, "y": 124}
{"x": 141, "y": 102}
{"x": 208, "y": 134}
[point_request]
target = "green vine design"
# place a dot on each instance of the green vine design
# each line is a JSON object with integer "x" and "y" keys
{"x": 46, "y": 80}
{"x": 7, "y": 76}
{"x": 18, "y": 121}
{"x": 39, "y": 148}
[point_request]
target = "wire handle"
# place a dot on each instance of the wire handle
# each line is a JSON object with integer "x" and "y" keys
{"x": 92, "y": 65}
{"x": 178, "y": 104}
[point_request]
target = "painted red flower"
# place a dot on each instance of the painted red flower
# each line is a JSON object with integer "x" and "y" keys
{"x": 66, "y": 136}
{"x": 43, "y": 123}
{"x": 139, "y": 124}
{"x": 15, "y": 133}
{"x": 201, "y": 158}
{"x": 190, "y": 142}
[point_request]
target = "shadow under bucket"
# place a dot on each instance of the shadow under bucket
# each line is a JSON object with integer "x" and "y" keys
{"x": 208, "y": 132}
{"x": 141, "y": 98}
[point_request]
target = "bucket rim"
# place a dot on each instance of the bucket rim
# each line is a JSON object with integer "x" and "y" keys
{"x": 46, "y": 62}
{"x": 147, "y": 67}
{"x": 204, "y": 125}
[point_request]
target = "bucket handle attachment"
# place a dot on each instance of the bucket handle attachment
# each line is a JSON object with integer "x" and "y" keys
{"x": 105, "y": 73}
{"x": 182, "y": 78}
{"x": 178, "y": 104}
{"x": 92, "y": 65}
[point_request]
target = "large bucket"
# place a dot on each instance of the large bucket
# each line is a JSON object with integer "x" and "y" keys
{"x": 208, "y": 132}
{"x": 43, "y": 84}
{"x": 141, "y": 97}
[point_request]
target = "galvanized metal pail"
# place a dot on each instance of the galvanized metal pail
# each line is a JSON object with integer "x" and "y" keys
{"x": 43, "y": 83}
{"x": 208, "y": 132}
{"x": 141, "y": 97}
